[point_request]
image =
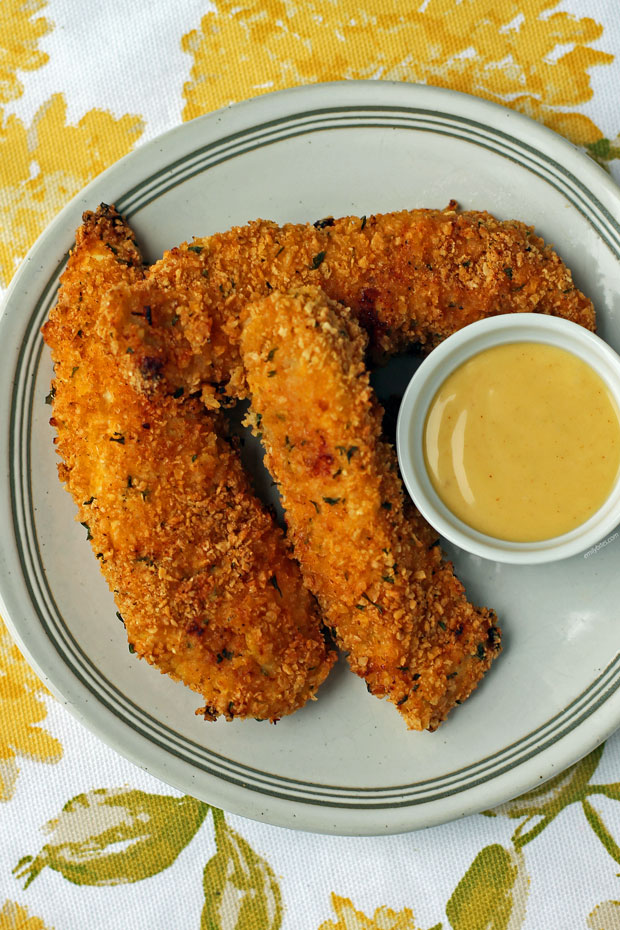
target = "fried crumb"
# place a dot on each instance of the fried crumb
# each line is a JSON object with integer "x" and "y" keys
{"x": 367, "y": 554}
{"x": 410, "y": 278}
{"x": 181, "y": 540}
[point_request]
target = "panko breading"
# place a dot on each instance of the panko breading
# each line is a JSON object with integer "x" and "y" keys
{"x": 369, "y": 557}
{"x": 412, "y": 277}
{"x": 201, "y": 574}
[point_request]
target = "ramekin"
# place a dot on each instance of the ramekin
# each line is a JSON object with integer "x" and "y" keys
{"x": 442, "y": 361}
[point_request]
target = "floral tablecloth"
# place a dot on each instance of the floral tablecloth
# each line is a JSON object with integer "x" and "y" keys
{"x": 87, "y": 839}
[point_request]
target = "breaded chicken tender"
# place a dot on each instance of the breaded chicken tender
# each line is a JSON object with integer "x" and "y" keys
{"x": 369, "y": 557}
{"x": 410, "y": 278}
{"x": 201, "y": 574}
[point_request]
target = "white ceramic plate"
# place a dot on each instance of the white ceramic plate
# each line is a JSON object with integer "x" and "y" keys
{"x": 344, "y": 764}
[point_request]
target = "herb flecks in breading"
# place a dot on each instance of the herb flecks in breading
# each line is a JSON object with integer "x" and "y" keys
{"x": 368, "y": 558}
{"x": 172, "y": 519}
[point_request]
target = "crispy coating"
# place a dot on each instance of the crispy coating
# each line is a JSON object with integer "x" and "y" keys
{"x": 371, "y": 559}
{"x": 201, "y": 574}
{"x": 412, "y": 277}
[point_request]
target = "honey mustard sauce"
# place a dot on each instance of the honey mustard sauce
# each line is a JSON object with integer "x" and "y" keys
{"x": 522, "y": 441}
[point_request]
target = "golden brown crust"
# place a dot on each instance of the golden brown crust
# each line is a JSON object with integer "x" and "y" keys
{"x": 135, "y": 356}
{"x": 411, "y": 277}
{"x": 200, "y": 573}
{"x": 371, "y": 559}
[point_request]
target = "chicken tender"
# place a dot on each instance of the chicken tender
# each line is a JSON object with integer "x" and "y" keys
{"x": 369, "y": 557}
{"x": 201, "y": 575}
{"x": 410, "y": 278}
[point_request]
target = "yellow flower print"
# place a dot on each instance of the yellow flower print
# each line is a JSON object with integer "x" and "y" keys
{"x": 518, "y": 53}
{"x": 21, "y": 708}
{"x": 15, "y": 917}
{"x": 19, "y": 35}
{"x": 348, "y": 918}
{"x": 42, "y": 166}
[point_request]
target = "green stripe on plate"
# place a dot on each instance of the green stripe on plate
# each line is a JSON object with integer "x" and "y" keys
{"x": 22, "y": 405}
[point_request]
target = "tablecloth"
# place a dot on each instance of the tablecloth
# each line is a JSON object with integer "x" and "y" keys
{"x": 86, "y": 838}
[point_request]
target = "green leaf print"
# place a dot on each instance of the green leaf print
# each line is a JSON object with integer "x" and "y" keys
{"x": 541, "y": 806}
{"x": 492, "y": 894}
{"x": 594, "y": 819}
{"x": 115, "y": 836}
{"x": 241, "y": 890}
{"x": 546, "y": 802}
{"x": 556, "y": 793}
{"x": 604, "y": 150}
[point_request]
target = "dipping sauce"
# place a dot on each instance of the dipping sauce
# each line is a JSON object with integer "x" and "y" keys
{"x": 522, "y": 441}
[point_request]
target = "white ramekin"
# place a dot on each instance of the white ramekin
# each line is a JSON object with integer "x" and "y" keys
{"x": 454, "y": 351}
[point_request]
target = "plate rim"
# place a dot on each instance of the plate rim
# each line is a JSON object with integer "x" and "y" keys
{"x": 101, "y": 721}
